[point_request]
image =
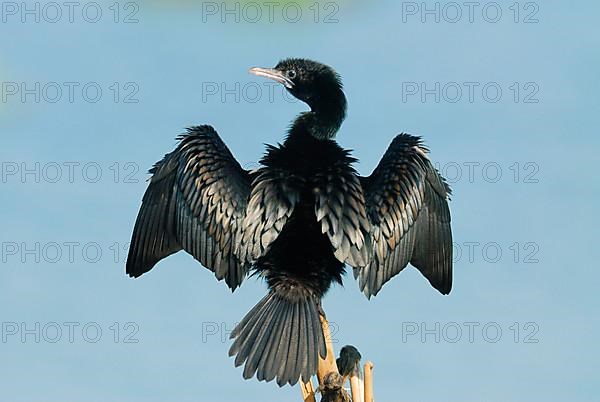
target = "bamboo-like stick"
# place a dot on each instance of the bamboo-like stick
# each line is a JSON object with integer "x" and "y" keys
{"x": 355, "y": 386}
{"x": 368, "y": 382}
{"x": 362, "y": 389}
{"x": 308, "y": 391}
{"x": 326, "y": 365}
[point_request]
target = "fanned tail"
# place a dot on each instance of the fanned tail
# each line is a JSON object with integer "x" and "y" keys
{"x": 280, "y": 337}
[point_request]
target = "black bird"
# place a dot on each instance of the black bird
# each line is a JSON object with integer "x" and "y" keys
{"x": 348, "y": 360}
{"x": 296, "y": 220}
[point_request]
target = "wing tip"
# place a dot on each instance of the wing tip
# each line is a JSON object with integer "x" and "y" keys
{"x": 445, "y": 289}
{"x": 134, "y": 272}
{"x": 442, "y": 285}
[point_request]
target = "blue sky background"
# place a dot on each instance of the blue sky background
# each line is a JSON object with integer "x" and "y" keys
{"x": 542, "y": 205}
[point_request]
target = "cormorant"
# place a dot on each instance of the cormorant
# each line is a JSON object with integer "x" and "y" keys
{"x": 349, "y": 359}
{"x": 296, "y": 220}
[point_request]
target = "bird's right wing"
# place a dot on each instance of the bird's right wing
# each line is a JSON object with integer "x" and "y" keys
{"x": 196, "y": 201}
{"x": 407, "y": 204}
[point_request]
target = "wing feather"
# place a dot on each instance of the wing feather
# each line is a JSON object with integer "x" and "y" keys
{"x": 340, "y": 209}
{"x": 271, "y": 203}
{"x": 195, "y": 201}
{"x": 407, "y": 206}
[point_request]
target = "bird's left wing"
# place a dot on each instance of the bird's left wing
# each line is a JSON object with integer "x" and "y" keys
{"x": 407, "y": 205}
{"x": 196, "y": 201}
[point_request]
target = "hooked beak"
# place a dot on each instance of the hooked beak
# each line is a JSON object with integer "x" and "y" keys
{"x": 273, "y": 74}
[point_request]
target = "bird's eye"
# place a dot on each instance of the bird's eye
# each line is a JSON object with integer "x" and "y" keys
{"x": 291, "y": 74}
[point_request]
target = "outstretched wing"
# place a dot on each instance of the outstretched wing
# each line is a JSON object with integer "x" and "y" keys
{"x": 407, "y": 205}
{"x": 196, "y": 201}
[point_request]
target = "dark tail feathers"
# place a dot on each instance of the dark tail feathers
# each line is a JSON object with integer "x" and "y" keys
{"x": 280, "y": 337}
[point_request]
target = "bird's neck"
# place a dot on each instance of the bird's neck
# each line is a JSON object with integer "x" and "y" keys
{"x": 324, "y": 119}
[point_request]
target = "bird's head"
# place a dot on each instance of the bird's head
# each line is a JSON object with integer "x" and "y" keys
{"x": 314, "y": 83}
